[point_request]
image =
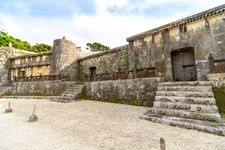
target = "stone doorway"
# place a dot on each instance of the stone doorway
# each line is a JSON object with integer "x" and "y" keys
{"x": 183, "y": 64}
{"x": 92, "y": 73}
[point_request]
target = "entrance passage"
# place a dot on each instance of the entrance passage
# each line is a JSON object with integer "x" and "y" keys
{"x": 92, "y": 73}
{"x": 183, "y": 64}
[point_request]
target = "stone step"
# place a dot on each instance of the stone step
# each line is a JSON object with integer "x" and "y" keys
{"x": 72, "y": 90}
{"x": 183, "y": 106}
{"x": 187, "y": 100}
{"x": 186, "y": 88}
{"x": 70, "y": 93}
{"x": 65, "y": 95}
{"x": 191, "y": 83}
{"x": 184, "y": 94}
{"x": 206, "y": 126}
{"x": 214, "y": 117}
{"x": 62, "y": 100}
{"x": 74, "y": 87}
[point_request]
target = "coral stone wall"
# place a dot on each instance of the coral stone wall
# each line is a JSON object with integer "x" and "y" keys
{"x": 130, "y": 91}
{"x": 31, "y": 65}
{"x": 37, "y": 88}
{"x": 106, "y": 62}
{"x": 5, "y": 54}
{"x": 64, "y": 56}
{"x": 206, "y": 36}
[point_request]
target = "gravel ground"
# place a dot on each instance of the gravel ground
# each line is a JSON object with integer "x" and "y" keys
{"x": 92, "y": 125}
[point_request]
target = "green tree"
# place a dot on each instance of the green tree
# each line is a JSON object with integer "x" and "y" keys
{"x": 41, "y": 48}
{"x": 96, "y": 47}
{"x": 5, "y": 39}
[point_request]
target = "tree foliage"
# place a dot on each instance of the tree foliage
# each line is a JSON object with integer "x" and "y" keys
{"x": 96, "y": 47}
{"x": 41, "y": 48}
{"x": 5, "y": 39}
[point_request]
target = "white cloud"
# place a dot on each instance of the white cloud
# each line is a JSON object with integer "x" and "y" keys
{"x": 104, "y": 27}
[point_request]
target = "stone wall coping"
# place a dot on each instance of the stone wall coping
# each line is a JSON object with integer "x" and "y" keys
{"x": 192, "y": 18}
{"x": 30, "y": 55}
{"x": 32, "y": 64}
{"x": 19, "y": 50}
{"x": 114, "y": 50}
{"x": 150, "y": 78}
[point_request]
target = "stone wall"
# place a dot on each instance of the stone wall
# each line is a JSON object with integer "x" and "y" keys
{"x": 5, "y": 54}
{"x": 36, "y": 88}
{"x": 130, "y": 91}
{"x": 30, "y": 65}
{"x": 106, "y": 62}
{"x": 63, "y": 59}
{"x": 204, "y": 33}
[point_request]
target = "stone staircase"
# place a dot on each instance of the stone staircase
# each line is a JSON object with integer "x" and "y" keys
{"x": 186, "y": 104}
{"x": 69, "y": 94}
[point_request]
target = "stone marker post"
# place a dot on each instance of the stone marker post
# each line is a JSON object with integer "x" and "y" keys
{"x": 162, "y": 144}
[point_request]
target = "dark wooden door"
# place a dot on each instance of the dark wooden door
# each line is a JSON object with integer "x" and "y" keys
{"x": 92, "y": 73}
{"x": 184, "y": 68}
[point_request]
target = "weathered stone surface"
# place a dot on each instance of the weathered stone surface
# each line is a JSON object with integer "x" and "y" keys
{"x": 186, "y": 88}
{"x": 216, "y": 76}
{"x": 214, "y": 117}
{"x": 35, "y": 88}
{"x": 184, "y": 93}
{"x": 184, "y": 106}
{"x": 205, "y": 126}
{"x": 5, "y": 54}
{"x": 131, "y": 91}
{"x": 205, "y": 35}
{"x": 70, "y": 93}
{"x": 177, "y": 104}
{"x": 107, "y": 62}
{"x": 187, "y": 100}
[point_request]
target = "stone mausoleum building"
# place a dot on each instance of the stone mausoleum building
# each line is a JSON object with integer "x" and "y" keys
{"x": 153, "y": 69}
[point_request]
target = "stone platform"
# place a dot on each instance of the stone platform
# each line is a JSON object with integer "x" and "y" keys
{"x": 186, "y": 104}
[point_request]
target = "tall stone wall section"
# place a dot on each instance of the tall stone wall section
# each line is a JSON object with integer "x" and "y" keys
{"x": 206, "y": 35}
{"x": 63, "y": 59}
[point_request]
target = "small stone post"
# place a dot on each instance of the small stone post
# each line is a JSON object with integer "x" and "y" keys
{"x": 33, "y": 117}
{"x": 162, "y": 144}
{"x": 9, "y": 109}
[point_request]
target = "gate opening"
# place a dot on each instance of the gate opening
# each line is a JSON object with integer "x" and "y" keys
{"x": 183, "y": 64}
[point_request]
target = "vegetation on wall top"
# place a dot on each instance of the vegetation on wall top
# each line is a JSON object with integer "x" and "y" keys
{"x": 5, "y": 39}
{"x": 41, "y": 48}
{"x": 96, "y": 47}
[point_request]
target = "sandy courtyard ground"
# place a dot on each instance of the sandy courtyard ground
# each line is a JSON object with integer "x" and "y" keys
{"x": 91, "y": 125}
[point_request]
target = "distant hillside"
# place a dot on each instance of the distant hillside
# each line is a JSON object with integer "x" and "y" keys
{"x": 5, "y": 39}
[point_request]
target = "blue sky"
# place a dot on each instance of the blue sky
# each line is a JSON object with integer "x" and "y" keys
{"x": 82, "y": 21}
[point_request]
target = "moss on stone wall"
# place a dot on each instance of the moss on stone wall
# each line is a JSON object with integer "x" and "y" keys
{"x": 7, "y": 93}
{"x": 113, "y": 98}
{"x": 219, "y": 93}
{"x": 79, "y": 74}
{"x": 84, "y": 95}
{"x": 123, "y": 60}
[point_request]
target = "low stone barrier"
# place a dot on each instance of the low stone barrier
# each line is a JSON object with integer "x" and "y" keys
{"x": 129, "y": 91}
